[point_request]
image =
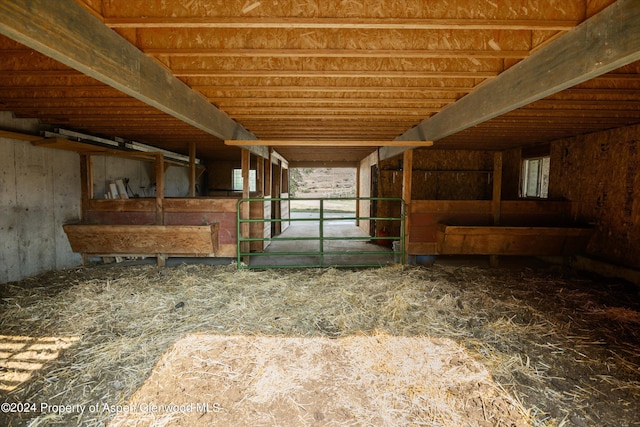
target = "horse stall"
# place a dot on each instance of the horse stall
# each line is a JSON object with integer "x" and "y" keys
{"x": 161, "y": 227}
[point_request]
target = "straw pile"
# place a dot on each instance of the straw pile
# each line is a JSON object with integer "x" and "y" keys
{"x": 377, "y": 380}
{"x": 530, "y": 346}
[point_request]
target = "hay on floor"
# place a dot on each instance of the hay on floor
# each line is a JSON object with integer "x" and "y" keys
{"x": 564, "y": 348}
{"x": 377, "y": 380}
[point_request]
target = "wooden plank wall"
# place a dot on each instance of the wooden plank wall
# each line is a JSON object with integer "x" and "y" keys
{"x": 436, "y": 175}
{"x": 600, "y": 174}
{"x": 427, "y": 214}
{"x": 461, "y": 195}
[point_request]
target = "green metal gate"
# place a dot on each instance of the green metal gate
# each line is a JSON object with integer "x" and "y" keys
{"x": 322, "y": 252}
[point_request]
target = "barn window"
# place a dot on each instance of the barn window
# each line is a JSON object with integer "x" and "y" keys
{"x": 535, "y": 177}
{"x": 237, "y": 180}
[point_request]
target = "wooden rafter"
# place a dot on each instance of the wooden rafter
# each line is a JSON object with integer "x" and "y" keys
{"x": 608, "y": 40}
{"x": 336, "y": 53}
{"x": 360, "y": 74}
{"x": 342, "y": 23}
{"x": 71, "y": 35}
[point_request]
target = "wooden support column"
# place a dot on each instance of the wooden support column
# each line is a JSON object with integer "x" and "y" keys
{"x": 496, "y": 198}
{"x": 260, "y": 176}
{"x": 245, "y": 209}
{"x": 159, "y": 166}
{"x": 192, "y": 169}
{"x": 358, "y": 193}
{"x": 267, "y": 177}
{"x": 86, "y": 182}
{"x": 497, "y": 187}
{"x": 86, "y": 189}
{"x": 407, "y": 172}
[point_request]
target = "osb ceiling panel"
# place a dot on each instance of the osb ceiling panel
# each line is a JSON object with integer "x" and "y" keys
{"x": 324, "y": 69}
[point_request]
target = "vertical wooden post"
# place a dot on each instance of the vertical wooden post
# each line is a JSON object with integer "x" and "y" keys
{"x": 407, "y": 172}
{"x": 86, "y": 183}
{"x": 260, "y": 176}
{"x": 496, "y": 198}
{"x": 267, "y": 177}
{"x": 276, "y": 179}
{"x": 192, "y": 169}
{"x": 358, "y": 193}
{"x": 159, "y": 165}
{"x": 497, "y": 187}
{"x": 245, "y": 209}
{"x": 86, "y": 189}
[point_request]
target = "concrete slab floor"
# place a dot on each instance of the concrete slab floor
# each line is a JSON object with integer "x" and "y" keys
{"x": 337, "y": 226}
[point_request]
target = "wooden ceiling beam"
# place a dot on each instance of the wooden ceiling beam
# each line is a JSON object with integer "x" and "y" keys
{"x": 336, "y": 53}
{"x": 322, "y": 100}
{"x": 398, "y": 90}
{"x": 68, "y": 33}
{"x": 360, "y": 74}
{"x": 606, "y": 41}
{"x": 325, "y": 143}
{"x": 310, "y": 111}
{"x": 234, "y": 92}
{"x": 308, "y": 118}
{"x": 343, "y": 23}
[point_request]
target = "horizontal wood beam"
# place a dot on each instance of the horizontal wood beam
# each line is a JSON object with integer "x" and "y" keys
{"x": 336, "y": 53}
{"x": 310, "y": 118}
{"x": 324, "y": 100}
{"x": 401, "y": 90}
{"x": 325, "y": 143}
{"x": 343, "y": 23}
{"x": 65, "y": 31}
{"x": 332, "y": 111}
{"x": 606, "y": 41}
{"x": 361, "y": 74}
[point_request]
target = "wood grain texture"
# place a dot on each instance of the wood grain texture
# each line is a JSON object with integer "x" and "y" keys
{"x": 71, "y": 35}
{"x": 521, "y": 241}
{"x": 141, "y": 239}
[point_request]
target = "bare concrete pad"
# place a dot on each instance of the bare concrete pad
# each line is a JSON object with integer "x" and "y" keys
{"x": 379, "y": 380}
{"x": 350, "y": 250}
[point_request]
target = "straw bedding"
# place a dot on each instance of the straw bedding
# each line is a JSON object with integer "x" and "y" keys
{"x": 447, "y": 345}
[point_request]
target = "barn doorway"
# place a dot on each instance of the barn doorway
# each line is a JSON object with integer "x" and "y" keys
{"x": 324, "y": 226}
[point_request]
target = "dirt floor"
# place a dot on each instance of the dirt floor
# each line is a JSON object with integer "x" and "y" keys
{"x": 450, "y": 345}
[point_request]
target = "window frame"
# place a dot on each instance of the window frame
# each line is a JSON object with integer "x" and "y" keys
{"x": 541, "y": 177}
{"x": 236, "y": 178}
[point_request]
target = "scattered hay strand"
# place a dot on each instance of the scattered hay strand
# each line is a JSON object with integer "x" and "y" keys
{"x": 372, "y": 380}
{"x": 554, "y": 344}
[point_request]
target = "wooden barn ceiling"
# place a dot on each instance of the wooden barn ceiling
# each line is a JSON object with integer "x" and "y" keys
{"x": 305, "y": 70}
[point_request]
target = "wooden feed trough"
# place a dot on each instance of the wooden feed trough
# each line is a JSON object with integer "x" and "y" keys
{"x": 500, "y": 240}
{"x": 143, "y": 240}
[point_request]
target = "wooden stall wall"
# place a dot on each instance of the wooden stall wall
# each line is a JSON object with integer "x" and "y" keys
{"x": 451, "y": 175}
{"x": 456, "y": 189}
{"x": 437, "y": 175}
{"x": 600, "y": 173}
